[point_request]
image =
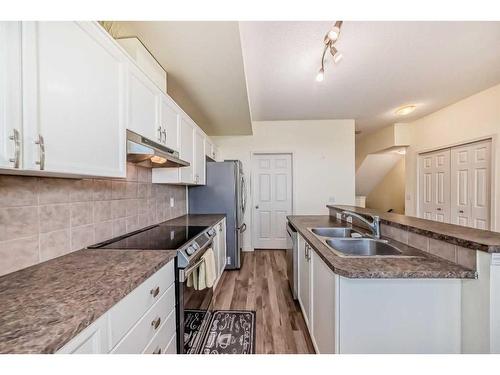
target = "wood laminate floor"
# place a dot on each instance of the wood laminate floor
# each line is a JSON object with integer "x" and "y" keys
{"x": 261, "y": 285}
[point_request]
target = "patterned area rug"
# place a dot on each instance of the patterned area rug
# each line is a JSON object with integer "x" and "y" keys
{"x": 230, "y": 332}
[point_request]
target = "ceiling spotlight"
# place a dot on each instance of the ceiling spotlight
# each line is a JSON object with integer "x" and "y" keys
{"x": 320, "y": 76}
{"x": 330, "y": 38}
{"x": 337, "y": 56}
{"x": 405, "y": 110}
{"x": 334, "y": 33}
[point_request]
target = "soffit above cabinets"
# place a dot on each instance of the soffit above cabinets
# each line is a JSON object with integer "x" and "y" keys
{"x": 205, "y": 69}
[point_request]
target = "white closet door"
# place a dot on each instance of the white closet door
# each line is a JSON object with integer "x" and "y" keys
{"x": 434, "y": 179}
{"x": 470, "y": 185}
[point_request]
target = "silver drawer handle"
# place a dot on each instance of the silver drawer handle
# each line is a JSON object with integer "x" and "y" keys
{"x": 155, "y": 291}
{"x": 17, "y": 148}
{"x": 41, "y": 143}
{"x": 157, "y": 351}
{"x": 156, "y": 323}
{"x": 159, "y": 133}
{"x": 164, "y": 132}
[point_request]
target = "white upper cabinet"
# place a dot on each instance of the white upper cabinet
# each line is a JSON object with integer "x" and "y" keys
{"x": 74, "y": 102}
{"x": 10, "y": 95}
{"x": 187, "y": 130}
{"x": 143, "y": 98}
{"x": 169, "y": 122}
{"x": 199, "y": 162}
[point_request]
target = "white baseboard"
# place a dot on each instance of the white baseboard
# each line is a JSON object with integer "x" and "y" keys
{"x": 247, "y": 248}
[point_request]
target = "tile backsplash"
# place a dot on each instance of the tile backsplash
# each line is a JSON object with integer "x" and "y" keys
{"x": 43, "y": 218}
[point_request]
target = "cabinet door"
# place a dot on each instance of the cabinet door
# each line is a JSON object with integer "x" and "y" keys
{"x": 74, "y": 112}
{"x": 324, "y": 306}
{"x": 216, "y": 249}
{"x": 222, "y": 246}
{"x": 304, "y": 281}
{"x": 199, "y": 163}
{"x": 169, "y": 121}
{"x": 187, "y": 150}
{"x": 143, "y": 98}
{"x": 92, "y": 340}
{"x": 10, "y": 95}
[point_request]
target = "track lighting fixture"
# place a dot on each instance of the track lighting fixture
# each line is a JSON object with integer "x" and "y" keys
{"x": 330, "y": 38}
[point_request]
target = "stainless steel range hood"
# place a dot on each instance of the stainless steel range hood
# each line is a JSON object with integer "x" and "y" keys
{"x": 147, "y": 153}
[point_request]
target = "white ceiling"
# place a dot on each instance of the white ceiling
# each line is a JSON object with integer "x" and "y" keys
{"x": 205, "y": 69}
{"x": 385, "y": 65}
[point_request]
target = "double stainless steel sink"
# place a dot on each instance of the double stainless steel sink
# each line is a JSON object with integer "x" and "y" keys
{"x": 347, "y": 241}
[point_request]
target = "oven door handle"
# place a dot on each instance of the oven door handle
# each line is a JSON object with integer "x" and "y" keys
{"x": 193, "y": 267}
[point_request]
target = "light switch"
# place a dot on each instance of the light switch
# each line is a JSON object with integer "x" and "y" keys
{"x": 171, "y": 201}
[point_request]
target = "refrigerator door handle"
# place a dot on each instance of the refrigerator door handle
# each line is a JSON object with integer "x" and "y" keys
{"x": 242, "y": 228}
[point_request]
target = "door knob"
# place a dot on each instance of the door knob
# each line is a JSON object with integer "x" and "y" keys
{"x": 257, "y": 207}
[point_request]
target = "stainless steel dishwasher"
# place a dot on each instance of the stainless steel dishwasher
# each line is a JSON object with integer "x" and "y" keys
{"x": 292, "y": 253}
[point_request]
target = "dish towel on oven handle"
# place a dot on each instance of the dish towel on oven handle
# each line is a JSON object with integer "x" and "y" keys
{"x": 204, "y": 276}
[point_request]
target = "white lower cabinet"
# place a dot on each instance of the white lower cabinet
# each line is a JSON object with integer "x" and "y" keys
{"x": 365, "y": 316}
{"x": 324, "y": 288}
{"x": 304, "y": 294}
{"x": 92, "y": 340}
{"x": 142, "y": 322}
{"x": 219, "y": 248}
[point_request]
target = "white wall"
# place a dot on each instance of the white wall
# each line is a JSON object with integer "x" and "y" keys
{"x": 473, "y": 118}
{"x": 323, "y": 161}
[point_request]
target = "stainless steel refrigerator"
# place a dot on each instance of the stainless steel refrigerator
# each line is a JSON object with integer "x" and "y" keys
{"x": 224, "y": 193}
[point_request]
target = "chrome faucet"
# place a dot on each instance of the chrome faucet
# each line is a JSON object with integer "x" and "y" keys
{"x": 374, "y": 225}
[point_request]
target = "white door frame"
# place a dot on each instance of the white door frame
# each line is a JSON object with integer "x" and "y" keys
{"x": 252, "y": 176}
{"x": 494, "y": 140}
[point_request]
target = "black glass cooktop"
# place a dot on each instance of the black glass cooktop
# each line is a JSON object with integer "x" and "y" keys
{"x": 160, "y": 237}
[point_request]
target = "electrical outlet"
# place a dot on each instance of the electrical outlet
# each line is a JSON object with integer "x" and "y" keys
{"x": 171, "y": 201}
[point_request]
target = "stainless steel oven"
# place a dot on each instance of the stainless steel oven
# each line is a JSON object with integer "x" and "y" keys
{"x": 194, "y": 304}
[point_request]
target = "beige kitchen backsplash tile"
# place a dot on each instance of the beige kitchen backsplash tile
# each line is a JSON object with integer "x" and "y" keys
{"x": 43, "y": 218}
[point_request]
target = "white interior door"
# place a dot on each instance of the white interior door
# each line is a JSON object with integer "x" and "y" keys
{"x": 434, "y": 180}
{"x": 272, "y": 198}
{"x": 470, "y": 185}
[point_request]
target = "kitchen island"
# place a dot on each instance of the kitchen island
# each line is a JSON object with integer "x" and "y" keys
{"x": 407, "y": 303}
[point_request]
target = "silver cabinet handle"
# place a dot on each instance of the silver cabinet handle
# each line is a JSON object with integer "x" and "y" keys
{"x": 157, "y": 351}
{"x": 159, "y": 133}
{"x": 156, "y": 323}
{"x": 41, "y": 144}
{"x": 164, "y": 132}
{"x": 155, "y": 291}
{"x": 306, "y": 251}
{"x": 17, "y": 148}
{"x": 257, "y": 207}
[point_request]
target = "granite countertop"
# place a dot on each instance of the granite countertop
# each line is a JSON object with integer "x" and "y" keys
{"x": 477, "y": 239}
{"x": 421, "y": 265}
{"x": 46, "y": 305}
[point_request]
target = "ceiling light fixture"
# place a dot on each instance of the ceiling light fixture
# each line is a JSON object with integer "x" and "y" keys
{"x": 330, "y": 38}
{"x": 405, "y": 110}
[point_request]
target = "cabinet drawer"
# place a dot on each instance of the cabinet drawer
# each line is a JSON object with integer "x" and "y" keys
{"x": 129, "y": 310}
{"x": 136, "y": 340}
{"x": 163, "y": 337}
